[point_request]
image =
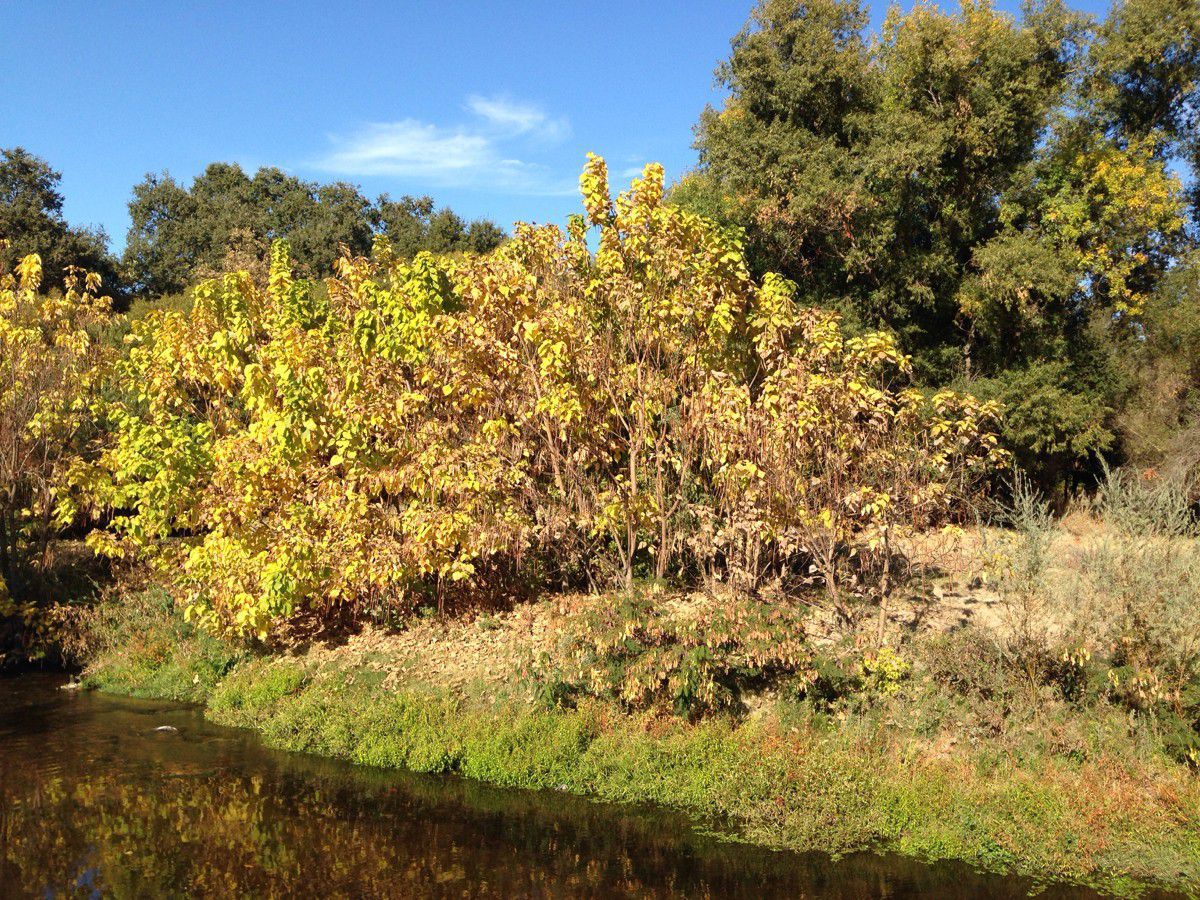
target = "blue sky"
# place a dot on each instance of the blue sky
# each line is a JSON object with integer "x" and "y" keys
{"x": 488, "y": 106}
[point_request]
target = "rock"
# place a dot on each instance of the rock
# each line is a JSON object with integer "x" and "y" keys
{"x": 166, "y": 729}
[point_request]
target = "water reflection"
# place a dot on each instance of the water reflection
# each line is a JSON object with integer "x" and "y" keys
{"x": 95, "y": 802}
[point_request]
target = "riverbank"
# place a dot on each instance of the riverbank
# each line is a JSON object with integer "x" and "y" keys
{"x": 897, "y": 761}
{"x": 96, "y": 791}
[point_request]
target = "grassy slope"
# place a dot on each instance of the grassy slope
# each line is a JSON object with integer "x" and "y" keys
{"x": 1105, "y": 821}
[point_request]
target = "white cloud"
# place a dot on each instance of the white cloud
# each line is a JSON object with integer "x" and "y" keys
{"x": 516, "y": 117}
{"x": 475, "y": 154}
{"x": 408, "y": 147}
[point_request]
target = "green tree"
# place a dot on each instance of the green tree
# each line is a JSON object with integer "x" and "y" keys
{"x": 179, "y": 233}
{"x": 868, "y": 171}
{"x": 31, "y": 221}
{"x": 784, "y": 154}
{"x": 338, "y": 214}
{"x": 413, "y": 224}
{"x": 159, "y": 249}
{"x": 484, "y": 235}
{"x": 1144, "y": 69}
{"x": 1144, "y": 78}
{"x": 998, "y": 191}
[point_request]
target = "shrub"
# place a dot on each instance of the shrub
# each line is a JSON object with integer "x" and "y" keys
{"x": 691, "y": 655}
{"x": 1137, "y": 603}
{"x": 139, "y": 644}
{"x": 1138, "y": 504}
{"x": 1024, "y": 560}
{"x": 50, "y": 363}
{"x": 969, "y": 662}
{"x": 1116, "y": 618}
{"x": 541, "y": 415}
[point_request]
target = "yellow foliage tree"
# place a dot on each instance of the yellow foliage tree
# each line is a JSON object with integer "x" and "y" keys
{"x": 546, "y": 414}
{"x": 50, "y": 364}
{"x": 1115, "y": 209}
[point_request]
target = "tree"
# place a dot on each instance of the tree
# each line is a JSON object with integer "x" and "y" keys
{"x": 782, "y": 154}
{"x": 31, "y": 221}
{"x": 869, "y": 172}
{"x": 338, "y": 215}
{"x": 181, "y": 233}
{"x": 159, "y": 251}
{"x": 1143, "y": 79}
{"x": 413, "y": 224}
{"x": 998, "y": 192}
{"x": 1144, "y": 70}
{"x": 484, "y": 236}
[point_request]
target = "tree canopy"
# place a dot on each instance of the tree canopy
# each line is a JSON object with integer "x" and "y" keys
{"x": 178, "y": 232}
{"x": 32, "y": 221}
{"x": 1005, "y": 194}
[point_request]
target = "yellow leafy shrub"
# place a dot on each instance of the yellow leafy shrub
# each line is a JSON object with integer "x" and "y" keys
{"x": 578, "y": 407}
{"x": 51, "y": 361}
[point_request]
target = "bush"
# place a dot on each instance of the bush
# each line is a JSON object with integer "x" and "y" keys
{"x": 969, "y": 662}
{"x": 139, "y": 644}
{"x": 1138, "y": 504}
{"x": 1138, "y": 603}
{"x": 1024, "y": 561}
{"x": 50, "y": 366}
{"x": 692, "y": 656}
{"x": 417, "y": 432}
{"x": 1116, "y": 618}
{"x": 846, "y": 679}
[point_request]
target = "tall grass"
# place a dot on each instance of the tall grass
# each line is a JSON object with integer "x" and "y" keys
{"x": 141, "y": 645}
{"x": 1142, "y": 504}
{"x": 1113, "y": 616}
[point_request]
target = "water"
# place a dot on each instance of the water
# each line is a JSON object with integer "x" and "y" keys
{"x": 95, "y": 802}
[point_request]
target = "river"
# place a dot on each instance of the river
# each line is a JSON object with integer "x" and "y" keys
{"x": 104, "y": 796}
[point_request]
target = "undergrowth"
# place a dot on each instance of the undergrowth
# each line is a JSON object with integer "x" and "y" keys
{"x": 141, "y": 646}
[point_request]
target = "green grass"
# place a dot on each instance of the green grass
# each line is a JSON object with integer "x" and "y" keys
{"x": 142, "y": 648}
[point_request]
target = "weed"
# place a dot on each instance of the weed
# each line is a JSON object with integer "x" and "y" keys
{"x": 140, "y": 645}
